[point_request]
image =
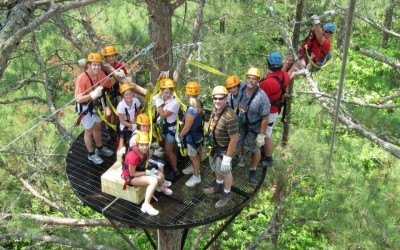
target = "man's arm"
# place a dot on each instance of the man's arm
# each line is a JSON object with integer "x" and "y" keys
{"x": 232, "y": 144}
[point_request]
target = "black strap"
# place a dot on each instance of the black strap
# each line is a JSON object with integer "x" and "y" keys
{"x": 215, "y": 124}
{"x": 248, "y": 104}
{"x": 278, "y": 101}
{"x": 128, "y": 117}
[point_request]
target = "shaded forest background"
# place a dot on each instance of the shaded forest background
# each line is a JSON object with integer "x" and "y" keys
{"x": 301, "y": 205}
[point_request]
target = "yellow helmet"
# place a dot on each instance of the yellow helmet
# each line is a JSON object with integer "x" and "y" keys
{"x": 142, "y": 137}
{"x": 124, "y": 87}
{"x": 109, "y": 51}
{"x": 232, "y": 81}
{"x": 192, "y": 88}
{"x": 94, "y": 57}
{"x": 143, "y": 119}
{"x": 167, "y": 83}
{"x": 219, "y": 90}
{"x": 254, "y": 72}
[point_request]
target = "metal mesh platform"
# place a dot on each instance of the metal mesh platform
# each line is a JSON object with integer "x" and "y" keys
{"x": 187, "y": 207}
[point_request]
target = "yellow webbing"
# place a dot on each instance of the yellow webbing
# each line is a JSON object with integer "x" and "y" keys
{"x": 103, "y": 118}
{"x": 206, "y": 67}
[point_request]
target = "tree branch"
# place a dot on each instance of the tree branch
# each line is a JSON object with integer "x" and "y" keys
{"x": 22, "y": 99}
{"x": 373, "y": 23}
{"x": 379, "y": 57}
{"x": 55, "y": 239}
{"x": 358, "y": 103}
{"x": 388, "y": 98}
{"x": 193, "y": 38}
{"x": 176, "y": 4}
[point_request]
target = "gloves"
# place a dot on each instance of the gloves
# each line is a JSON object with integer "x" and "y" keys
{"x": 129, "y": 78}
{"x": 159, "y": 152}
{"x": 96, "y": 93}
{"x": 147, "y": 172}
{"x": 134, "y": 127}
{"x": 315, "y": 19}
{"x": 330, "y": 12}
{"x": 226, "y": 163}
{"x": 155, "y": 145}
{"x": 157, "y": 100}
{"x": 260, "y": 140}
{"x": 120, "y": 73}
{"x": 82, "y": 62}
{"x": 178, "y": 140}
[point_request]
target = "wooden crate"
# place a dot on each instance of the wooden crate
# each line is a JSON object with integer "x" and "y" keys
{"x": 112, "y": 183}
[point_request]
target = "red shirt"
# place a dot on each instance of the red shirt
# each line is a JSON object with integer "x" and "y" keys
{"x": 272, "y": 87}
{"x": 317, "y": 51}
{"x": 120, "y": 65}
{"x": 133, "y": 158}
{"x": 84, "y": 84}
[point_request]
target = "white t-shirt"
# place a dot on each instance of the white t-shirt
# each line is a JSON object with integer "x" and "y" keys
{"x": 173, "y": 106}
{"x": 131, "y": 110}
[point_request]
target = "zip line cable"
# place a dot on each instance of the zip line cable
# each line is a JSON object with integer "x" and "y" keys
{"x": 349, "y": 28}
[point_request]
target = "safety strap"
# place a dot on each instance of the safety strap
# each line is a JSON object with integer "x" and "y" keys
{"x": 248, "y": 104}
{"x": 214, "y": 125}
{"x": 110, "y": 103}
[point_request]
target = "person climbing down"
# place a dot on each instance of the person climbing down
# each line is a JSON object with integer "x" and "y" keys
{"x": 156, "y": 152}
{"x": 135, "y": 173}
{"x": 191, "y": 134}
{"x": 88, "y": 89}
{"x": 315, "y": 50}
{"x": 275, "y": 86}
{"x": 127, "y": 110}
{"x": 167, "y": 116}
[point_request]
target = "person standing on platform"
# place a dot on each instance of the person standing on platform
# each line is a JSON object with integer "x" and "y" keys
{"x": 191, "y": 134}
{"x": 88, "y": 90}
{"x": 253, "y": 109}
{"x": 275, "y": 85}
{"x": 167, "y": 113}
{"x": 234, "y": 86}
{"x": 222, "y": 136}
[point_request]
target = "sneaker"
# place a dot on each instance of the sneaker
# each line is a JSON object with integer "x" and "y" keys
{"x": 167, "y": 183}
{"x": 95, "y": 159}
{"x": 193, "y": 181}
{"x": 147, "y": 208}
{"x": 253, "y": 176}
{"x": 266, "y": 162}
{"x": 188, "y": 170}
{"x": 223, "y": 200}
{"x": 242, "y": 160}
{"x": 216, "y": 189}
{"x": 171, "y": 175}
{"x": 165, "y": 190}
{"x": 104, "y": 151}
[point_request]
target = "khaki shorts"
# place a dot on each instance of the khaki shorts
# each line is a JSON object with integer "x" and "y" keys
{"x": 215, "y": 164}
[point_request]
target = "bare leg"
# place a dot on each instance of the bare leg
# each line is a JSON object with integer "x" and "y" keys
{"x": 170, "y": 154}
{"x": 196, "y": 165}
{"x": 97, "y": 134}
{"x": 88, "y": 138}
{"x": 268, "y": 147}
{"x": 255, "y": 159}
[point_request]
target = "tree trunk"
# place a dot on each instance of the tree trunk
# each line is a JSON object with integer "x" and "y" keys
{"x": 388, "y": 22}
{"x": 160, "y": 16}
{"x": 169, "y": 239}
{"x": 221, "y": 55}
{"x": 295, "y": 42}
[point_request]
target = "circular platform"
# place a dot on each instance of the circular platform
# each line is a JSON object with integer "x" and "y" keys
{"x": 187, "y": 207}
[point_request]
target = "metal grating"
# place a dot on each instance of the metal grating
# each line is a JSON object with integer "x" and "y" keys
{"x": 187, "y": 207}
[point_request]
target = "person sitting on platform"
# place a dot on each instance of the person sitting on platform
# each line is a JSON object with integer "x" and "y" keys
{"x": 135, "y": 173}
{"x": 127, "y": 110}
{"x": 88, "y": 90}
{"x": 191, "y": 135}
{"x": 167, "y": 112}
{"x": 156, "y": 152}
{"x": 222, "y": 136}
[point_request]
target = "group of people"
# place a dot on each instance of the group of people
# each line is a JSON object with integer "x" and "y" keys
{"x": 243, "y": 117}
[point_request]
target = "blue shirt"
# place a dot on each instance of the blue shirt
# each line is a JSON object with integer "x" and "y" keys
{"x": 196, "y": 131}
{"x": 258, "y": 109}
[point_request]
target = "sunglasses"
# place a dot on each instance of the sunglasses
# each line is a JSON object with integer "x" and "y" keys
{"x": 218, "y": 98}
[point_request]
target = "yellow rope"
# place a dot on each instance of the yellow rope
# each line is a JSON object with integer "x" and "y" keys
{"x": 110, "y": 104}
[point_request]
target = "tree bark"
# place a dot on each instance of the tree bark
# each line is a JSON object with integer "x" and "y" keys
{"x": 169, "y": 239}
{"x": 295, "y": 42}
{"x": 388, "y": 22}
{"x": 379, "y": 57}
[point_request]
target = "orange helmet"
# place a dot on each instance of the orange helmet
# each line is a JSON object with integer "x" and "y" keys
{"x": 192, "y": 88}
{"x": 167, "y": 83}
{"x": 232, "y": 81}
{"x": 219, "y": 90}
{"x": 109, "y": 51}
{"x": 142, "y": 137}
{"x": 254, "y": 72}
{"x": 143, "y": 119}
{"x": 124, "y": 87}
{"x": 94, "y": 57}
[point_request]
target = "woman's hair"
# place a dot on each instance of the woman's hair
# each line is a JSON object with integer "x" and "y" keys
{"x": 196, "y": 104}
